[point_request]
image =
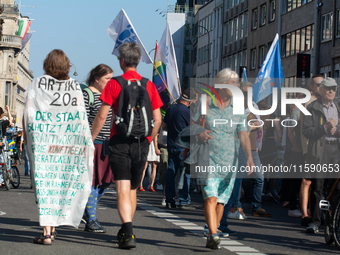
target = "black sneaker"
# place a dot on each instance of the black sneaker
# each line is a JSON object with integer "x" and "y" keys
{"x": 94, "y": 226}
{"x": 171, "y": 205}
{"x": 213, "y": 242}
{"x": 126, "y": 242}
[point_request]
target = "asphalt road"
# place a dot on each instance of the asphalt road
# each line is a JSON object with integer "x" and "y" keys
{"x": 158, "y": 230}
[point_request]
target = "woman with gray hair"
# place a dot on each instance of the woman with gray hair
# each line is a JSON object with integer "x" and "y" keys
{"x": 219, "y": 184}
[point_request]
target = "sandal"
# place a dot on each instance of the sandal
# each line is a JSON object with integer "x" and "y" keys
{"x": 53, "y": 235}
{"x": 141, "y": 188}
{"x": 41, "y": 240}
{"x": 152, "y": 189}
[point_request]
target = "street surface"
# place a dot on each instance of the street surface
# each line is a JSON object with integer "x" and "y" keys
{"x": 158, "y": 230}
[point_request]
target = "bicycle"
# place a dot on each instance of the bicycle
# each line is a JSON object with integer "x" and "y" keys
{"x": 9, "y": 171}
{"x": 332, "y": 215}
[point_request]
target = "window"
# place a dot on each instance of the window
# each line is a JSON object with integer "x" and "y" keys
{"x": 326, "y": 27}
{"x": 272, "y": 11}
{"x": 241, "y": 24}
{"x": 236, "y": 28}
{"x": 7, "y": 91}
{"x": 288, "y": 37}
{"x": 261, "y": 56}
{"x": 297, "y": 38}
{"x": 244, "y": 58}
{"x": 254, "y": 19}
{"x": 303, "y": 39}
{"x": 263, "y": 14}
{"x": 297, "y": 41}
{"x": 283, "y": 46}
{"x": 253, "y": 58}
{"x": 231, "y": 30}
{"x": 292, "y": 43}
{"x": 337, "y": 31}
{"x": 289, "y": 5}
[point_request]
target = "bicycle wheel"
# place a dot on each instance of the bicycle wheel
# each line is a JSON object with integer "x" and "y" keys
{"x": 6, "y": 179}
{"x": 328, "y": 233}
{"x": 336, "y": 225}
{"x": 15, "y": 178}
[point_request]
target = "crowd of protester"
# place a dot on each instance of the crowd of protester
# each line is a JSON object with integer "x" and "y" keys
{"x": 314, "y": 139}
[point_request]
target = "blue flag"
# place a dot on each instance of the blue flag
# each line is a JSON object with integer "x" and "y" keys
{"x": 244, "y": 75}
{"x": 271, "y": 74}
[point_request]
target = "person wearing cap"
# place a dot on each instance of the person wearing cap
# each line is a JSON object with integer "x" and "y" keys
{"x": 176, "y": 119}
{"x": 323, "y": 131}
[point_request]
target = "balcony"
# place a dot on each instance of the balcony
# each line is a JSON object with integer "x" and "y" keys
{"x": 11, "y": 41}
{"x": 10, "y": 8}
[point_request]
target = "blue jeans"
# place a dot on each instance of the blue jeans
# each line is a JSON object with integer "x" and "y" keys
{"x": 27, "y": 163}
{"x": 175, "y": 166}
{"x": 252, "y": 193}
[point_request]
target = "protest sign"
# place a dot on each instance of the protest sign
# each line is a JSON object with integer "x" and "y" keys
{"x": 60, "y": 149}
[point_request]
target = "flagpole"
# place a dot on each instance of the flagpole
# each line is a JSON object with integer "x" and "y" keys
{"x": 179, "y": 84}
{"x": 164, "y": 82}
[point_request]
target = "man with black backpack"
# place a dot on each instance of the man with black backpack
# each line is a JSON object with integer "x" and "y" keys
{"x": 136, "y": 104}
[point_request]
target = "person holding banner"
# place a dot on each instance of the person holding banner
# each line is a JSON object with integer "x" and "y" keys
{"x": 127, "y": 154}
{"x": 59, "y": 146}
{"x": 102, "y": 174}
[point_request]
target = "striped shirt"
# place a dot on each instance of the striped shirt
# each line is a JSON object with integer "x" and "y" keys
{"x": 92, "y": 112}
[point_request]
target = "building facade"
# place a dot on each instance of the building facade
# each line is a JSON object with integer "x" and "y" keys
{"x": 15, "y": 75}
{"x": 235, "y": 33}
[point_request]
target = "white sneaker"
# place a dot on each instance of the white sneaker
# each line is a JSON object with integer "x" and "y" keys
{"x": 294, "y": 213}
{"x": 159, "y": 187}
{"x": 163, "y": 202}
{"x": 236, "y": 215}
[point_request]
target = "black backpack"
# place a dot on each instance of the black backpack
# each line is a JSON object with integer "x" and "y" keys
{"x": 134, "y": 113}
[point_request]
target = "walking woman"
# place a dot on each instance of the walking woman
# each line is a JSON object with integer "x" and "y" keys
{"x": 219, "y": 185}
{"x": 59, "y": 146}
{"x": 102, "y": 174}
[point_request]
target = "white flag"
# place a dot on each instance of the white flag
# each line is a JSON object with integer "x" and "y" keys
{"x": 168, "y": 56}
{"x": 121, "y": 31}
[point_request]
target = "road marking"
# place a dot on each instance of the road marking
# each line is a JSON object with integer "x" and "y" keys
{"x": 226, "y": 243}
{"x": 2, "y": 213}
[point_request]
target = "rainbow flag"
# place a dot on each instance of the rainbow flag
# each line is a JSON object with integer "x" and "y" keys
{"x": 161, "y": 74}
{"x": 24, "y": 26}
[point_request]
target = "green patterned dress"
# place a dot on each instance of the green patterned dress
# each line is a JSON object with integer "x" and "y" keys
{"x": 223, "y": 151}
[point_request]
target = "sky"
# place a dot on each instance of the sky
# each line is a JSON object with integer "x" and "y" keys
{"x": 78, "y": 27}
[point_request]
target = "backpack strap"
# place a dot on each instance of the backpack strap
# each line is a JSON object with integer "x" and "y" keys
{"x": 120, "y": 80}
{"x": 144, "y": 82}
{"x": 91, "y": 96}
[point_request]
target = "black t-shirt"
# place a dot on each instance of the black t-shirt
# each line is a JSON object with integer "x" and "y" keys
{"x": 5, "y": 124}
{"x": 177, "y": 118}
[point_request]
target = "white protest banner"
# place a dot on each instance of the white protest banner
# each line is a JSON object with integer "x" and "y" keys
{"x": 60, "y": 149}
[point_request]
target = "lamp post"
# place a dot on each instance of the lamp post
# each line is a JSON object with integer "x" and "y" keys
{"x": 189, "y": 42}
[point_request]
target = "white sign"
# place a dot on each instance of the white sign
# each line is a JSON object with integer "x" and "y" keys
{"x": 60, "y": 149}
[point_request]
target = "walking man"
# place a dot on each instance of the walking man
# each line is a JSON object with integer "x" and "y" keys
{"x": 323, "y": 131}
{"x": 127, "y": 155}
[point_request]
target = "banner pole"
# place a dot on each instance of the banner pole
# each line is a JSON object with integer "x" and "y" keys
{"x": 163, "y": 82}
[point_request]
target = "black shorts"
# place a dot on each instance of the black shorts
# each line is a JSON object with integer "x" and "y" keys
{"x": 128, "y": 158}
